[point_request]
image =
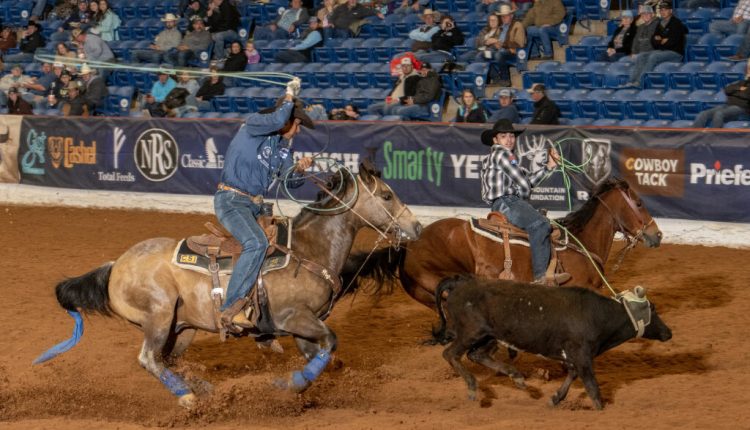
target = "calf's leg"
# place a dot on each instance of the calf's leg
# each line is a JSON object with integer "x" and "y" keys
{"x": 586, "y": 371}
{"x": 452, "y": 355}
{"x": 483, "y": 355}
{"x": 562, "y": 392}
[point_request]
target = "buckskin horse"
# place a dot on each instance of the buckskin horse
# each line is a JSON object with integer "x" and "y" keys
{"x": 170, "y": 303}
{"x": 449, "y": 247}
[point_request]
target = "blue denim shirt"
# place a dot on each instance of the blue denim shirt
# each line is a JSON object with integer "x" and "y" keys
{"x": 258, "y": 154}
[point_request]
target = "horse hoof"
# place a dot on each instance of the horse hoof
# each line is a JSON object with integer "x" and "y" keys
{"x": 187, "y": 401}
{"x": 519, "y": 382}
{"x": 296, "y": 383}
{"x": 472, "y": 395}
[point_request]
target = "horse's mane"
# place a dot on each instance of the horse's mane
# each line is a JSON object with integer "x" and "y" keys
{"x": 577, "y": 220}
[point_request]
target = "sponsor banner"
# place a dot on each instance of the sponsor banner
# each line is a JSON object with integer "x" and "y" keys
{"x": 10, "y": 131}
{"x": 125, "y": 154}
{"x": 678, "y": 173}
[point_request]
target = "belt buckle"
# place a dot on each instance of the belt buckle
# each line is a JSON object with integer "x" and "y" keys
{"x": 258, "y": 199}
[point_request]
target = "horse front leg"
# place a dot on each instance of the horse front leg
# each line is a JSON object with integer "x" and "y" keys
{"x": 315, "y": 341}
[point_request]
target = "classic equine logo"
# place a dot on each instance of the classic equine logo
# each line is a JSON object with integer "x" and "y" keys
{"x": 211, "y": 160}
{"x": 654, "y": 171}
{"x": 597, "y": 165}
{"x": 156, "y": 154}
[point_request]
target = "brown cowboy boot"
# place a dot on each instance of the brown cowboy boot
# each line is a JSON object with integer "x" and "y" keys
{"x": 554, "y": 280}
{"x": 233, "y": 318}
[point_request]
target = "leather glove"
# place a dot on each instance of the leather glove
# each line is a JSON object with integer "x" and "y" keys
{"x": 293, "y": 87}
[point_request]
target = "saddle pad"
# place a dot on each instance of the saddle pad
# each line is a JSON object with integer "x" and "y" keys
{"x": 498, "y": 237}
{"x": 185, "y": 258}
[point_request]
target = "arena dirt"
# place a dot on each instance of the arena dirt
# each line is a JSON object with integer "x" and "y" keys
{"x": 387, "y": 379}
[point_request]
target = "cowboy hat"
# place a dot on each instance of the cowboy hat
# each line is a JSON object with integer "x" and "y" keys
{"x": 85, "y": 69}
{"x": 169, "y": 17}
{"x": 298, "y": 112}
{"x": 501, "y": 126}
{"x": 504, "y": 10}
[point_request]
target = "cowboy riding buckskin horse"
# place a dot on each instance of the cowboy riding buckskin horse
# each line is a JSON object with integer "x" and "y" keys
{"x": 169, "y": 303}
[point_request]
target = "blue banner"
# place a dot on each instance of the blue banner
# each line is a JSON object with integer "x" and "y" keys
{"x": 678, "y": 173}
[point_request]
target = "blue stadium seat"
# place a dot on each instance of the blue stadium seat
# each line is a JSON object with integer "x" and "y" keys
{"x": 605, "y": 122}
{"x": 642, "y": 106}
{"x": 698, "y": 20}
{"x": 345, "y": 75}
{"x": 617, "y": 74}
{"x": 365, "y": 52}
{"x": 435, "y": 113}
{"x": 660, "y": 123}
{"x": 584, "y": 50}
{"x": 539, "y": 76}
{"x": 407, "y": 24}
{"x": 737, "y": 124}
{"x": 696, "y": 102}
{"x": 591, "y": 106}
{"x": 309, "y": 74}
{"x": 230, "y": 115}
{"x": 667, "y": 107}
{"x": 683, "y": 79}
{"x": 681, "y": 123}
{"x": 703, "y": 50}
{"x": 591, "y": 75}
{"x": 225, "y": 103}
{"x": 631, "y": 123}
{"x": 474, "y": 77}
{"x": 580, "y": 121}
{"x": 369, "y": 118}
{"x": 345, "y": 52}
{"x": 711, "y": 77}
{"x": 728, "y": 46}
{"x": 563, "y": 29}
{"x": 390, "y": 118}
{"x": 660, "y": 76}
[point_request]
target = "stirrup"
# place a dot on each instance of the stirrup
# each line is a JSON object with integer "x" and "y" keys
{"x": 231, "y": 318}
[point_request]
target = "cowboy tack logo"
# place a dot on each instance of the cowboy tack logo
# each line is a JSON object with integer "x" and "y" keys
{"x": 118, "y": 140}
{"x": 156, "y": 154}
{"x": 211, "y": 159}
{"x": 654, "y": 171}
{"x": 597, "y": 165}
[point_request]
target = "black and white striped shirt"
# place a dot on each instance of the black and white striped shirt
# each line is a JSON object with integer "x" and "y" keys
{"x": 502, "y": 175}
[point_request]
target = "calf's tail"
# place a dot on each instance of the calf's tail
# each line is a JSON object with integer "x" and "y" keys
{"x": 441, "y": 333}
{"x": 86, "y": 293}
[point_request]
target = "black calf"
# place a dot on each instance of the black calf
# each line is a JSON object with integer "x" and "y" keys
{"x": 570, "y": 324}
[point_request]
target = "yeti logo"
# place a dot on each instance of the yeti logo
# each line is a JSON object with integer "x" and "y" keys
{"x": 597, "y": 165}
{"x": 156, "y": 155}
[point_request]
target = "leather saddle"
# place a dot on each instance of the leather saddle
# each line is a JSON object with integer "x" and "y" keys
{"x": 220, "y": 243}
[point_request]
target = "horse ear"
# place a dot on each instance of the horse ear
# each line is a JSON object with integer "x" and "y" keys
{"x": 367, "y": 171}
{"x": 640, "y": 292}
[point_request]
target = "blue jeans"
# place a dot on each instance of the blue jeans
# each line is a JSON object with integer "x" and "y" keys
{"x": 718, "y": 116}
{"x": 541, "y": 35}
{"x": 728, "y": 28}
{"x": 147, "y": 56}
{"x": 433, "y": 57}
{"x": 220, "y": 39}
{"x": 382, "y": 108}
{"x": 237, "y": 214}
{"x": 408, "y": 112}
{"x": 522, "y": 215}
{"x": 647, "y": 61}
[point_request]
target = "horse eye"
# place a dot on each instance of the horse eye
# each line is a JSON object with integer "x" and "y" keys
{"x": 387, "y": 196}
{"x": 639, "y": 203}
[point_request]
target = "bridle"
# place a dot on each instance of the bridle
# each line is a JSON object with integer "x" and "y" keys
{"x": 631, "y": 237}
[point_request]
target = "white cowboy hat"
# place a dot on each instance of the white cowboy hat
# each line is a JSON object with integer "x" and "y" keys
{"x": 169, "y": 17}
{"x": 504, "y": 10}
{"x": 85, "y": 69}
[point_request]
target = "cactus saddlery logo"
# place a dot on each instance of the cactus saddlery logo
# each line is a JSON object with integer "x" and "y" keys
{"x": 156, "y": 154}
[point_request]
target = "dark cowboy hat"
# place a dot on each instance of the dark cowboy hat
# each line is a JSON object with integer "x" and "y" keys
{"x": 501, "y": 126}
{"x": 298, "y": 112}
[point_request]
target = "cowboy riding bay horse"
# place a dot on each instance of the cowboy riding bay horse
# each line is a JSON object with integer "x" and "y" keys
{"x": 169, "y": 303}
{"x": 451, "y": 246}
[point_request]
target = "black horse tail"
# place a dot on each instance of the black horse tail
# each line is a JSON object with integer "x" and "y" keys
{"x": 442, "y": 334}
{"x": 88, "y": 293}
{"x": 381, "y": 266}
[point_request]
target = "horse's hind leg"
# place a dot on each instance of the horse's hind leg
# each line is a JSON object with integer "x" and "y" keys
{"x": 177, "y": 343}
{"x": 315, "y": 341}
{"x": 157, "y": 331}
{"x": 483, "y": 355}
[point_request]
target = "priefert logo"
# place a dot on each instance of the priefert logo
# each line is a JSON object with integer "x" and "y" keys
{"x": 717, "y": 176}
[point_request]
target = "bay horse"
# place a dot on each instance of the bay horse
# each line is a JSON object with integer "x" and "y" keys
{"x": 169, "y": 303}
{"x": 450, "y": 247}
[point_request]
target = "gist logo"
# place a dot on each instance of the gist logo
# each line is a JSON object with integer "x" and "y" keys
{"x": 716, "y": 175}
{"x": 654, "y": 171}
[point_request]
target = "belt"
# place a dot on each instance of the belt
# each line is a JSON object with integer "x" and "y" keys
{"x": 255, "y": 199}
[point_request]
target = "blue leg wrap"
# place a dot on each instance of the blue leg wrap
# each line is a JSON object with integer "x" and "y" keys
{"x": 174, "y": 383}
{"x": 315, "y": 367}
{"x": 64, "y": 345}
{"x": 298, "y": 380}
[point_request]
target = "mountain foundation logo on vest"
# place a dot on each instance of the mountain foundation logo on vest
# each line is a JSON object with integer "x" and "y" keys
{"x": 156, "y": 154}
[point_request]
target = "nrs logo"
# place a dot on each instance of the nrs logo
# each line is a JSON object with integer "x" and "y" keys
{"x": 736, "y": 175}
{"x": 156, "y": 155}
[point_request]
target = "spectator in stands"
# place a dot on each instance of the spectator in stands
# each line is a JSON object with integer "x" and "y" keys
{"x": 74, "y": 104}
{"x": 194, "y": 42}
{"x": 37, "y": 13}
{"x": 95, "y": 90}
{"x": 162, "y": 86}
{"x": 212, "y": 87}
{"x": 668, "y": 42}
{"x": 487, "y": 43}
{"x": 499, "y": 41}
{"x": 184, "y": 80}
{"x": 301, "y": 52}
{"x": 739, "y": 24}
{"x": 93, "y": 12}
{"x": 15, "y": 78}
{"x": 428, "y": 89}
{"x": 743, "y": 50}
{"x": 59, "y": 88}
{"x": 541, "y": 22}
{"x": 347, "y": 18}
{"x": 469, "y": 109}
{"x": 324, "y": 17}
{"x": 410, "y": 6}
{"x": 404, "y": 87}
{"x": 39, "y": 87}
{"x": 621, "y": 43}
{"x": 443, "y": 42}
{"x": 645, "y": 27}
{"x": 222, "y": 19}
{"x": 7, "y": 40}
{"x": 62, "y": 53}
{"x": 107, "y": 22}
{"x": 507, "y": 109}
{"x": 175, "y": 104}
{"x": 422, "y": 35}
{"x": 286, "y": 26}
{"x": 237, "y": 60}
{"x": 51, "y": 102}
{"x": 252, "y": 54}
{"x": 348, "y": 113}
{"x": 92, "y": 47}
{"x": 545, "y": 110}
{"x": 64, "y": 9}
{"x": 78, "y": 19}
{"x": 521, "y": 8}
{"x": 32, "y": 39}
{"x": 194, "y": 8}
{"x": 167, "y": 40}
{"x": 16, "y": 104}
{"x": 736, "y": 106}
{"x": 489, "y": 7}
